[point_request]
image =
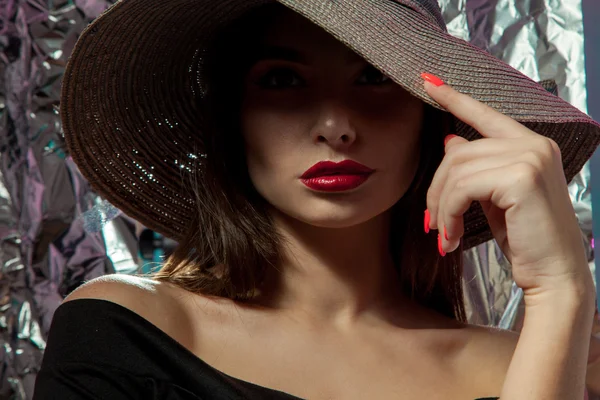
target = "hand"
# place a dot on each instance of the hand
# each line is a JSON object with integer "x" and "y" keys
{"x": 517, "y": 176}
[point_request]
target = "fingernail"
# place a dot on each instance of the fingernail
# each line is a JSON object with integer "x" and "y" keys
{"x": 432, "y": 79}
{"x": 440, "y": 249}
{"x": 427, "y": 219}
{"x": 448, "y": 138}
{"x": 445, "y": 233}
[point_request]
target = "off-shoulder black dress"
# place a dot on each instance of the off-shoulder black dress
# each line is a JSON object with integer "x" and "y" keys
{"x": 100, "y": 350}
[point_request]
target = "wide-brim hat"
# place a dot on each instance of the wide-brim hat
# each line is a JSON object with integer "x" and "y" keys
{"x": 132, "y": 119}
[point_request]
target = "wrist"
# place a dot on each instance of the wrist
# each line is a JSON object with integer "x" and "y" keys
{"x": 561, "y": 311}
{"x": 574, "y": 292}
{"x": 562, "y": 304}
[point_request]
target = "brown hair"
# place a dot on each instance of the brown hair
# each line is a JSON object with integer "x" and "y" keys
{"x": 231, "y": 238}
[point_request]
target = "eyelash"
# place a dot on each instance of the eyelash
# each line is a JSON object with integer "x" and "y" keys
{"x": 263, "y": 81}
{"x": 370, "y": 68}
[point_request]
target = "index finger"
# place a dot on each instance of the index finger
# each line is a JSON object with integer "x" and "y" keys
{"x": 487, "y": 121}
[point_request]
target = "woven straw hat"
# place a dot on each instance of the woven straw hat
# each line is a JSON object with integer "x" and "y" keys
{"x": 130, "y": 93}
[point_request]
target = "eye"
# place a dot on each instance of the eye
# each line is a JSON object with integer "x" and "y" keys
{"x": 280, "y": 78}
{"x": 372, "y": 76}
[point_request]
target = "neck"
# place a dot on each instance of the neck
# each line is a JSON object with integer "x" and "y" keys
{"x": 333, "y": 274}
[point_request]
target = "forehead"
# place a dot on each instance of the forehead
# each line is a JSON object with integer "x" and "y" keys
{"x": 288, "y": 29}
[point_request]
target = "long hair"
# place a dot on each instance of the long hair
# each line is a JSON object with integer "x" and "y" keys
{"x": 231, "y": 239}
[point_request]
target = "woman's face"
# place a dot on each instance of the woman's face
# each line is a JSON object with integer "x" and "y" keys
{"x": 309, "y": 99}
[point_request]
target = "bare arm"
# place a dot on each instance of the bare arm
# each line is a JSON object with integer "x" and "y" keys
{"x": 593, "y": 372}
{"x": 552, "y": 353}
{"x": 524, "y": 196}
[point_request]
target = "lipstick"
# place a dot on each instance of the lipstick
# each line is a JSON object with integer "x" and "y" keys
{"x": 328, "y": 176}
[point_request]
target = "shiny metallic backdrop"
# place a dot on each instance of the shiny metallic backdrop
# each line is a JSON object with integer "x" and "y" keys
{"x": 47, "y": 248}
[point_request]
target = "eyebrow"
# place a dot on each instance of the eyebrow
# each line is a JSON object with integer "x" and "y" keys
{"x": 280, "y": 53}
{"x": 292, "y": 55}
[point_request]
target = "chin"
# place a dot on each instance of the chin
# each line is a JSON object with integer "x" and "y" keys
{"x": 336, "y": 222}
{"x": 326, "y": 214}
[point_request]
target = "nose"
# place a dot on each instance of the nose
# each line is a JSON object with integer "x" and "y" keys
{"x": 334, "y": 127}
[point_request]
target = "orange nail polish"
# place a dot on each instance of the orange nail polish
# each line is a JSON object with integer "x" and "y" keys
{"x": 448, "y": 138}
{"x": 440, "y": 249}
{"x": 432, "y": 79}
{"x": 445, "y": 233}
{"x": 427, "y": 219}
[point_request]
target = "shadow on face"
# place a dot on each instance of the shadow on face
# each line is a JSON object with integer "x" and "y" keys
{"x": 307, "y": 98}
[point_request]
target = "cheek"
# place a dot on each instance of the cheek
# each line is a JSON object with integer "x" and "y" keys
{"x": 269, "y": 146}
{"x": 399, "y": 141}
{"x": 402, "y": 163}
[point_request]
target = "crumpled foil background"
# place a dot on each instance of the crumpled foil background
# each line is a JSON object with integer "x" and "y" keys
{"x": 544, "y": 40}
{"x": 55, "y": 233}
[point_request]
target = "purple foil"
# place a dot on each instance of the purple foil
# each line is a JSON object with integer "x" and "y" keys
{"x": 45, "y": 252}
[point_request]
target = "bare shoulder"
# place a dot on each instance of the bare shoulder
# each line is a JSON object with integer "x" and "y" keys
{"x": 130, "y": 291}
{"x": 159, "y": 303}
{"x": 483, "y": 337}
{"x": 489, "y": 351}
{"x": 114, "y": 287}
{"x": 487, "y": 355}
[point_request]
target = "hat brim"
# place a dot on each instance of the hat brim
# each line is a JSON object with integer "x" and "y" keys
{"x": 132, "y": 119}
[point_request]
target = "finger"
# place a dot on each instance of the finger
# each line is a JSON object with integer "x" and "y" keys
{"x": 476, "y": 187}
{"x": 463, "y": 149}
{"x": 537, "y": 150}
{"x": 487, "y": 121}
{"x": 458, "y": 152}
{"x": 451, "y": 224}
{"x": 496, "y": 186}
{"x": 451, "y": 141}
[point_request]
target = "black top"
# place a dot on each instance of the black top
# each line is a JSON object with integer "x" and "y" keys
{"x": 100, "y": 350}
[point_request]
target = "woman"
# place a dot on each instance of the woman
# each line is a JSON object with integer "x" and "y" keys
{"x": 295, "y": 174}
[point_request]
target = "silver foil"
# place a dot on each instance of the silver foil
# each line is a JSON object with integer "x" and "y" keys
{"x": 45, "y": 249}
{"x": 55, "y": 233}
{"x": 544, "y": 40}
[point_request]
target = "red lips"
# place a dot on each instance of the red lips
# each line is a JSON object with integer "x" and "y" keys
{"x": 329, "y": 176}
